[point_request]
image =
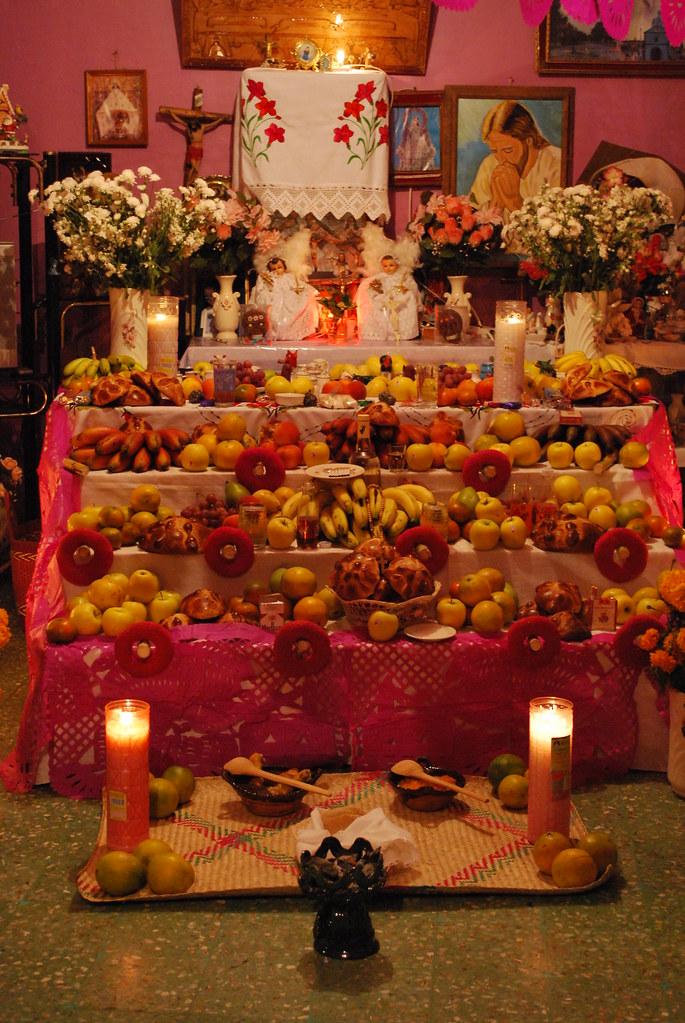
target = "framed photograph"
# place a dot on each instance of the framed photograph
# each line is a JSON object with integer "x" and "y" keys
{"x": 568, "y": 47}
{"x": 116, "y": 108}
{"x": 416, "y": 138}
{"x": 500, "y": 144}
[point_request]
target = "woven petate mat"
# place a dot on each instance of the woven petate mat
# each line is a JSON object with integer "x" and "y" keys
{"x": 466, "y": 848}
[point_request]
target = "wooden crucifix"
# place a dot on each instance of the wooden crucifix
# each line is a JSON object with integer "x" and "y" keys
{"x": 195, "y": 123}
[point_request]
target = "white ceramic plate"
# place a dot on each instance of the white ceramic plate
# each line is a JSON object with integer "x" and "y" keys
{"x": 334, "y": 471}
{"x": 429, "y": 632}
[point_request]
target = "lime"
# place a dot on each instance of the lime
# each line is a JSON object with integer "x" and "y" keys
{"x": 148, "y": 848}
{"x": 502, "y": 765}
{"x": 169, "y": 874}
{"x": 163, "y": 797}
{"x": 184, "y": 780}
{"x": 119, "y": 873}
{"x": 573, "y": 868}
{"x": 547, "y": 847}
{"x": 601, "y": 847}
{"x": 512, "y": 791}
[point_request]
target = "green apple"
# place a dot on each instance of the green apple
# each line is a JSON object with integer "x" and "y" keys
{"x": 645, "y": 591}
{"x": 654, "y": 606}
{"x": 513, "y": 532}
{"x": 624, "y": 608}
{"x": 566, "y": 488}
{"x": 560, "y": 454}
{"x": 575, "y": 508}
{"x": 275, "y": 579}
{"x": 603, "y": 515}
{"x": 508, "y": 588}
{"x": 281, "y": 532}
{"x": 164, "y": 512}
{"x": 82, "y": 598}
{"x": 484, "y": 534}
{"x": 456, "y": 455}
{"x": 105, "y": 592}
{"x": 382, "y": 625}
{"x": 165, "y": 603}
{"x": 143, "y": 585}
{"x": 87, "y": 618}
{"x": 233, "y": 492}
{"x": 587, "y": 454}
{"x": 451, "y": 611}
{"x": 115, "y": 620}
{"x": 332, "y": 602}
{"x": 485, "y": 441}
{"x": 137, "y": 609}
{"x": 508, "y": 604}
{"x": 491, "y": 508}
{"x": 596, "y": 495}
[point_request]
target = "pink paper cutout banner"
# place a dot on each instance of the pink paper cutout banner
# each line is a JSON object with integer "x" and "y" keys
{"x": 534, "y": 11}
{"x": 616, "y": 15}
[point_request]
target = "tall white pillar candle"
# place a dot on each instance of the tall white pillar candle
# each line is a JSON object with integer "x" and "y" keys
{"x": 549, "y": 766}
{"x": 510, "y": 350}
{"x": 162, "y": 334}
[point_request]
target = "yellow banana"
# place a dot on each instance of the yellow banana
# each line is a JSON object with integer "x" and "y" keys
{"x": 340, "y": 522}
{"x": 404, "y": 500}
{"x": 375, "y": 502}
{"x": 360, "y": 513}
{"x": 349, "y": 540}
{"x": 92, "y": 369}
{"x": 326, "y": 525}
{"x": 422, "y": 494}
{"x": 360, "y": 532}
{"x": 77, "y": 367}
{"x": 389, "y": 512}
{"x": 322, "y": 499}
{"x": 621, "y": 364}
{"x": 290, "y": 506}
{"x": 104, "y": 367}
{"x": 358, "y": 488}
{"x": 342, "y": 496}
{"x": 605, "y": 365}
{"x": 400, "y": 523}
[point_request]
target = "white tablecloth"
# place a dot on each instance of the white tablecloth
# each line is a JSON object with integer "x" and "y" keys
{"x": 313, "y": 142}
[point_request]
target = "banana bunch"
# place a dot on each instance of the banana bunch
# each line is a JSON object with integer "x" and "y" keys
{"x": 569, "y": 361}
{"x": 136, "y": 447}
{"x": 597, "y": 366}
{"x": 93, "y": 367}
{"x": 357, "y": 512}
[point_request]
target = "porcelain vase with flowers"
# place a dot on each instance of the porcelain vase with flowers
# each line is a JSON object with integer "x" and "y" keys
{"x": 458, "y": 299}
{"x": 226, "y": 310}
{"x": 584, "y": 322}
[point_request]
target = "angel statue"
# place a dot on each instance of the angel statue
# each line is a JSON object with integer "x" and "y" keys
{"x": 388, "y": 300}
{"x": 283, "y": 292}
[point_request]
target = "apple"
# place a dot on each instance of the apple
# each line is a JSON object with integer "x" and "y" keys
{"x": 111, "y": 515}
{"x": 194, "y": 458}
{"x": 673, "y": 537}
{"x": 508, "y": 604}
{"x": 137, "y": 609}
{"x": 143, "y": 585}
{"x": 451, "y": 611}
{"x": 115, "y": 620}
{"x": 603, "y": 515}
{"x": 526, "y": 450}
{"x": 645, "y": 591}
{"x": 87, "y": 518}
{"x": 566, "y": 488}
{"x": 105, "y": 592}
{"x": 281, "y": 532}
{"x": 560, "y": 454}
{"x": 596, "y": 495}
{"x": 485, "y": 441}
{"x": 471, "y": 588}
{"x": 654, "y": 606}
{"x": 639, "y": 525}
{"x": 332, "y": 602}
{"x": 484, "y": 534}
{"x": 316, "y": 453}
{"x": 508, "y": 588}
{"x": 487, "y": 616}
{"x": 276, "y": 578}
{"x": 61, "y": 630}
{"x": 575, "y": 508}
{"x": 624, "y": 607}
{"x": 506, "y": 449}
{"x": 145, "y": 497}
{"x": 491, "y": 508}
{"x": 163, "y": 604}
{"x": 587, "y": 454}
{"x": 513, "y": 532}
{"x": 456, "y": 455}
{"x": 87, "y": 619}
{"x": 508, "y": 425}
{"x": 419, "y": 457}
{"x": 143, "y": 520}
{"x": 82, "y": 598}
{"x": 382, "y": 625}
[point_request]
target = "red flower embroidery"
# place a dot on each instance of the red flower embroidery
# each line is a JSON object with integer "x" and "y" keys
{"x": 274, "y": 133}
{"x": 343, "y": 134}
{"x": 383, "y": 134}
{"x": 267, "y": 107}
{"x": 353, "y": 108}
{"x": 365, "y": 91}
{"x": 381, "y": 108}
{"x": 255, "y": 89}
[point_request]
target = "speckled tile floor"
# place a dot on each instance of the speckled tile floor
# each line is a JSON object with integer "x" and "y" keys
{"x": 614, "y": 955}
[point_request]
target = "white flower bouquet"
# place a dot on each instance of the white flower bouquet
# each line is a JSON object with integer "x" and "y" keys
{"x": 581, "y": 239}
{"x": 119, "y": 235}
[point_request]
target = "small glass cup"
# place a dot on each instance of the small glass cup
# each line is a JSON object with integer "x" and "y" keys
{"x": 396, "y": 458}
{"x": 224, "y": 382}
{"x": 427, "y": 384}
{"x": 521, "y": 503}
{"x": 252, "y": 519}
{"x": 436, "y": 516}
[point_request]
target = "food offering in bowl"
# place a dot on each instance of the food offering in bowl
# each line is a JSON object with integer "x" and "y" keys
{"x": 265, "y": 797}
{"x": 289, "y": 399}
{"x": 419, "y": 795}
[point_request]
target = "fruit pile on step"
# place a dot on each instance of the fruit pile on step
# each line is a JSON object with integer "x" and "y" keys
{"x": 135, "y": 446}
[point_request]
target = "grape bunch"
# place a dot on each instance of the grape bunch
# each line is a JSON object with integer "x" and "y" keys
{"x": 209, "y": 511}
{"x": 246, "y": 373}
{"x": 451, "y": 376}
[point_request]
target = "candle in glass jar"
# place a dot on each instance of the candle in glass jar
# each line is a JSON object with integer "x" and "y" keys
{"x": 510, "y": 350}
{"x": 162, "y": 334}
{"x": 127, "y": 737}
{"x": 549, "y": 766}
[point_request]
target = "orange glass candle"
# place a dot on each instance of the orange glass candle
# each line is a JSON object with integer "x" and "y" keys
{"x": 549, "y": 766}
{"x": 127, "y": 739}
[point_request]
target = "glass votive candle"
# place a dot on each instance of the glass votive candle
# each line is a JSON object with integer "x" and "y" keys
{"x": 127, "y": 740}
{"x": 224, "y": 381}
{"x": 252, "y": 519}
{"x": 162, "y": 334}
{"x": 395, "y": 454}
{"x": 427, "y": 384}
{"x": 549, "y": 766}
{"x": 436, "y": 516}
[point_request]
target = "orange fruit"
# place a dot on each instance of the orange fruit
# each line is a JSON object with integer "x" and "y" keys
{"x": 573, "y": 868}
{"x": 231, "y": 427}
{"x": 226, "y": 453}
{"x": 290, "y": 455}
{"x": 245, "y": 392}
{"x": 311, "y": 609}
{"x": 168, "y": 873}
{"x": 285, "y": 432}
{"x": 484, "y": 388}
{"x": 466, "y": 393}
{"x": 547, "y": 847}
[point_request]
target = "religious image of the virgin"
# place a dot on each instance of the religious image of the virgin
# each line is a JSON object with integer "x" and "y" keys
{"x": 416, "y": 150}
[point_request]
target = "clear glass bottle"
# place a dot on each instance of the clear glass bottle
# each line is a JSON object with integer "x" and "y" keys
{"x": 364, "y": 454}
{"x": 307, "y": 518}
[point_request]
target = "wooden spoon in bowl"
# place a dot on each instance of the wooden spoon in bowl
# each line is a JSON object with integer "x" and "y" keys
{"x": 410, "y": 769}
{"x": 241, "y": 765}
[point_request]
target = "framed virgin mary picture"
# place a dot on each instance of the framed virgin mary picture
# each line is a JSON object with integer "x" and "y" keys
{"x": 416, "y": 138}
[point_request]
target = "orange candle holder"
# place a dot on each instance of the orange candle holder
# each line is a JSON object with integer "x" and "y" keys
{"x": 549, "y": 766}
{"x": 127, "y": 742}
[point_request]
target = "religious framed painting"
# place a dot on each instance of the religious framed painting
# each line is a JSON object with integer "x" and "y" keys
{"x": 116, "y": 108}
{"x": 502, "y": 143}
{"x": 416, "y": 138}
{"x": 565, "y": 46}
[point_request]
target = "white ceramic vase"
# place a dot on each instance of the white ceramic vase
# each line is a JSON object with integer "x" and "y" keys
{"x": 676, "y": 742}
{"x": 458, "y": 299}
{"x": 226, "y": 309}
{"x": 584, "y": 321}
{"x": 128, "y": 323}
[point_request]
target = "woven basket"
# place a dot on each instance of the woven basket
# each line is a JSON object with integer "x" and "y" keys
{"x": 358, "y": 612}
{"x": 24, "y": 541}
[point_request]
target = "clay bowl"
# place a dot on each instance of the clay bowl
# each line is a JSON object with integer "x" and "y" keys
{"x": 426, "y": 799}
{"x": 259, "y": 800}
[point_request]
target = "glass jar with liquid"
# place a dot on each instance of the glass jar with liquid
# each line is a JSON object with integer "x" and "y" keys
{"x": 364, "y": 454}
{"x": 308, "y": 518}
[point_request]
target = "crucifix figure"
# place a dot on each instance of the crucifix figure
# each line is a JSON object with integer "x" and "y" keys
{"x": 194, "y": 123}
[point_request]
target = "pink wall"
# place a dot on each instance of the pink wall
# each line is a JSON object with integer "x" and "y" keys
{"x": 45, "y": 48}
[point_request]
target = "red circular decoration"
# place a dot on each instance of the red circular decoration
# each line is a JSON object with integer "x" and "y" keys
{"x": 247, "y": 462}
{"x": 616, "y": 15}
{"x": 533, "y": 642}
{"x": 98, "y": 554}
{"x": 474, "y": 471}
{"x": 439, "y": 549}
{"x": 229, "y": 536}
{"x": 612, "y": 541}
{"x": 624, "y": 640}
{"x": 293, "y": 661}
{"x": 144, "y": 649}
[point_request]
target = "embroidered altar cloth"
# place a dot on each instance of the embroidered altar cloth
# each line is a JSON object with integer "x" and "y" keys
{"x": 313, "y": 142}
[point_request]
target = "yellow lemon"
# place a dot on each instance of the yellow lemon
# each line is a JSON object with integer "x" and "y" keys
{"x": 573, "y": 868}
{"x": 119, "y": 873}
{"x": 512, "y": 791}
{"x": 547, "y": 847}
{"x": 169, "y": 874}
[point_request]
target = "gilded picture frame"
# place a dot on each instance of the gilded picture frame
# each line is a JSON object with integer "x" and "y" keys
{"x": 116, "y": 108}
